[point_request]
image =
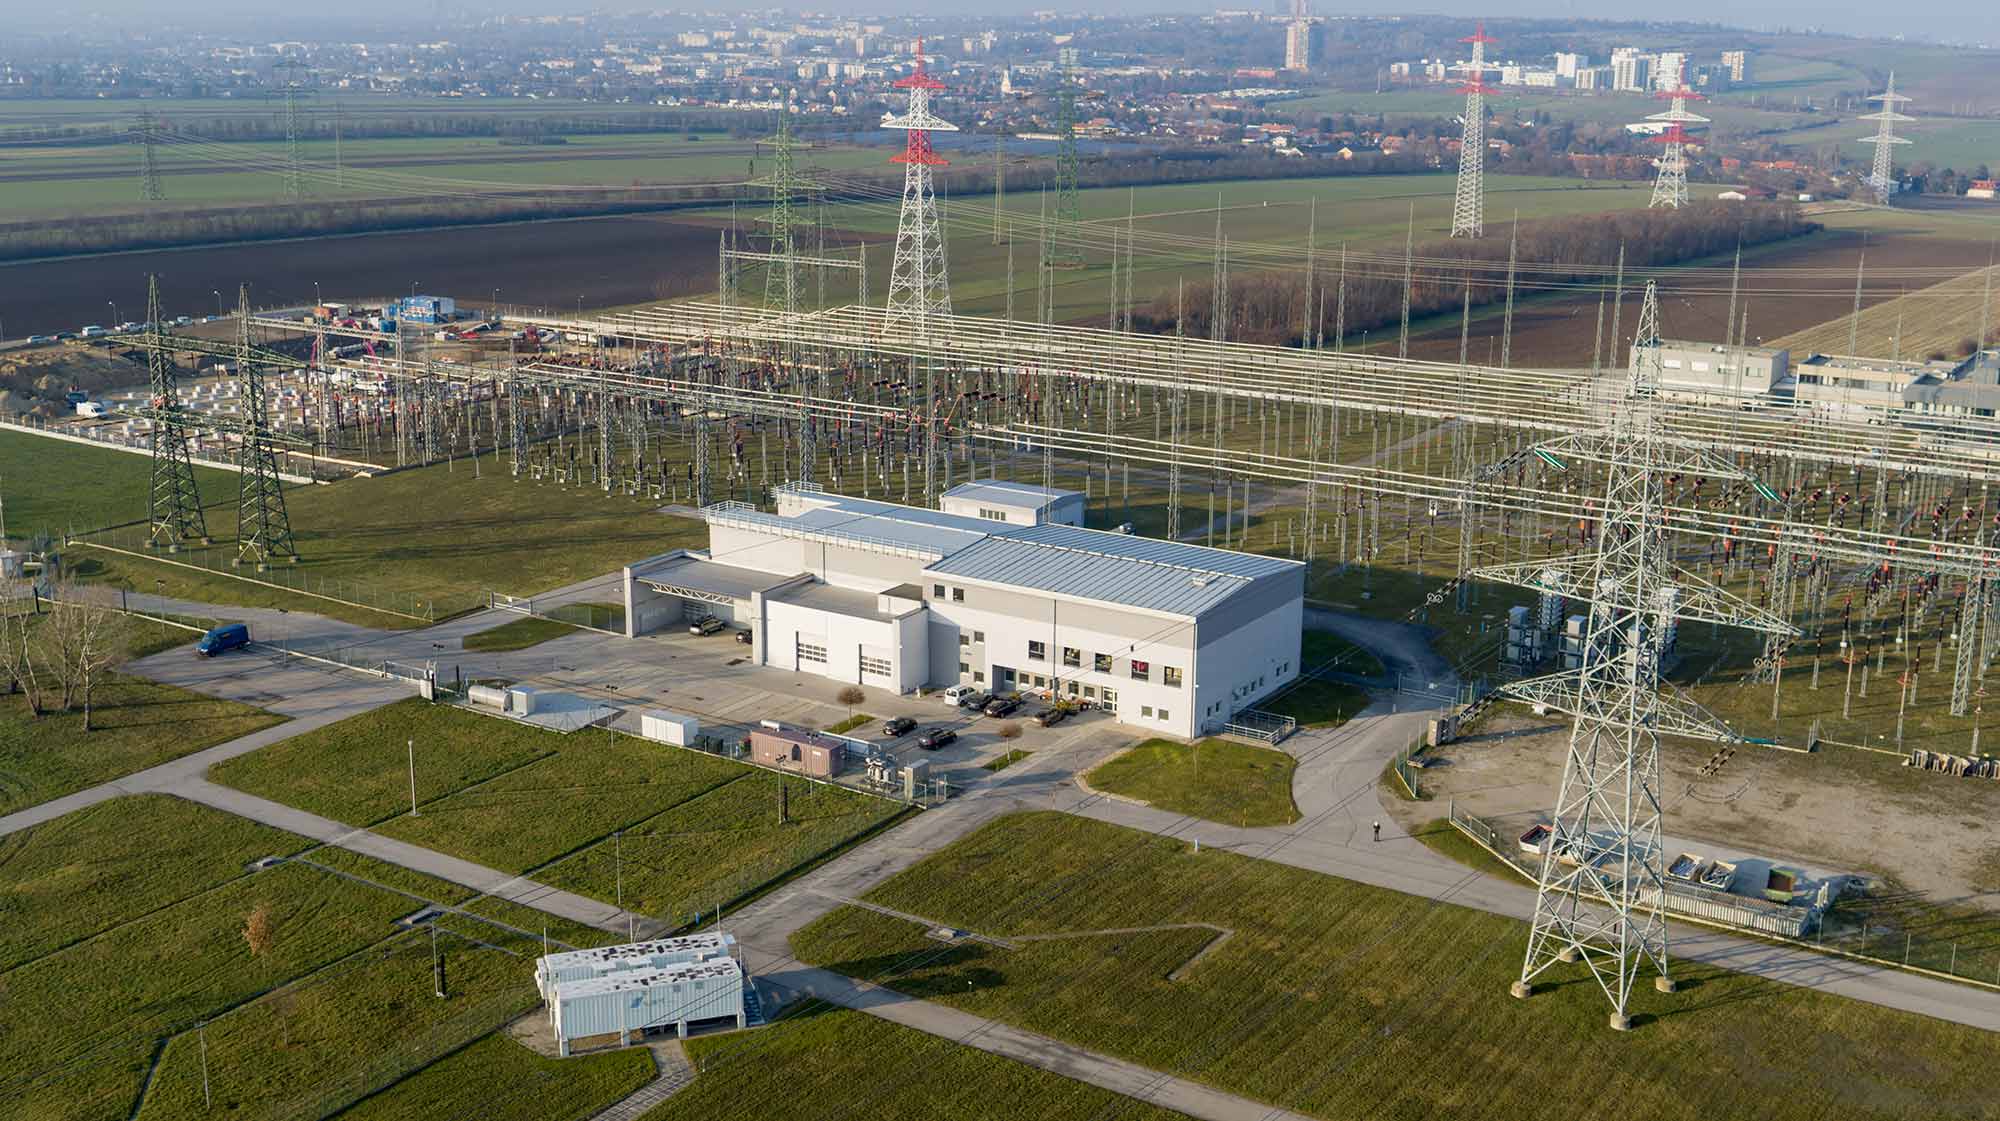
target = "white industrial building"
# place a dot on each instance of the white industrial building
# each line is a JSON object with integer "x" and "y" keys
{"x": 1173, "y": 638}
{"x": 628, "y": 990}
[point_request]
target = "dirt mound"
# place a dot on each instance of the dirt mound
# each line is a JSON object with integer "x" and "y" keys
{"x": 34, "y": 381}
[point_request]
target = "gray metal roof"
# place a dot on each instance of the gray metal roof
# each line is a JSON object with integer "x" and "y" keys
{"x": 1002, "y": 492}
{"x": 1141, "y": 572}
{"x": 863, "y": 523}
{"x": 704, "y": 575}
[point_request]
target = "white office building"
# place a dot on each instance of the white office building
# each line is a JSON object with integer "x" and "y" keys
{"x": 1568, "y": 63}
{"x": 1174, "y": 638}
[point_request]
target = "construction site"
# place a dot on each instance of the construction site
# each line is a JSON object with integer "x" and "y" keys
{"x": 1680, "y": 552}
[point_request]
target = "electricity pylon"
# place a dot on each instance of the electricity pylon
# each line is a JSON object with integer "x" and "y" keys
{"x": 1066, "y": 246}
{"x": 1670, "y": 188}
{"x": 293, "y": 90}
{"x": 1882, "y": 176}
{"x": 1601, "y": 895}
{"x": 918, "y": 289}
{"x": 173, "y": 502}
{"x": 150, "y": 188}
{"x": 263, "y": 528}
{"x": 781, "y": 279}
{"x": 1468, "y": 207}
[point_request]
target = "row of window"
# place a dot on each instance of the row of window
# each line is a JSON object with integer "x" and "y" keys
{"x": 993, "y": 515}
{"x": 957, "y": 594}
{"x": 1147, "y": 712}
{"x": 877, "y": 666}
{"x": 1101, "y": 663}
{"x": 967, "y": 640}
{"x": 811, "y": 653}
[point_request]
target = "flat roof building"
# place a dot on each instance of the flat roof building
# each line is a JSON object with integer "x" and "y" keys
{"x": 1014, "y": 503}
{"x": 1713, "y": 370}
{"x": 628, "y": 1003}
{"x": 1175, "y": 638}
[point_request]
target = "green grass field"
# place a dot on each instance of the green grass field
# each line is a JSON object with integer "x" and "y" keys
{"x": 1220, "y": 780}
{"x": 1319, "y": 704}
{"x": 517, "y": 635}
{"x": 671, "y": 832}
{"x": 498, "y": 1079}
{"x": 135, "y": 724}
{"x": 57, "y": 486}
{"x": 433, "y": 539}
{"x": 849, "y": 1066}
{"x": 1317, "y": 648}
{"x": 126, "y": 926}
{"x": 1006, "y": 759}
{"x": 1342, "y": 1000}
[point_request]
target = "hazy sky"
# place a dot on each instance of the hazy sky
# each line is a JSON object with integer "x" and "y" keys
{"x": 1948, "y": 19}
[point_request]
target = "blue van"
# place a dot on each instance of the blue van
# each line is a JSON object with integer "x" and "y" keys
{"x": 224, "y": 638}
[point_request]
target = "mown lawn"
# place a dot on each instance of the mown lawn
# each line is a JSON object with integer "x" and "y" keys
{"x": 1220, "y": 780}
{"x": 517, "y": 635}
{"x": 697, "y": 830}
{"x": 56, "y": 486}
{"x": 1319, "y": 704}
{"x": 1343, "y": 1000}
{"x": 135, "y": 724}
{"x": 497, "y": 1079}
{"x": 851, "y": 1066}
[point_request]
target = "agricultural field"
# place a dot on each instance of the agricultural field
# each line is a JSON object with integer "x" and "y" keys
{"x": 1217, "y": 780}
{"x": 1386, "y": 982}
{"x": 281, "y": 975}
{"x": 665, "y": 831}
{"x": 135, "y": 724}
{"x": 852, "y": 1066}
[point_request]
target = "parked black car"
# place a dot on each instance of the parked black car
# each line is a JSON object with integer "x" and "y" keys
{"x": 1001, "y": 706}
{"x": 900, "y": 726}
{"x": 1050, "y": 717}
{"x": 976, "y": 702}
{"x": 936, "y": 738}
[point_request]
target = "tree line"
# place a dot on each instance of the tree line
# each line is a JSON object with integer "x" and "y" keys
{"x": 1270, "y": 306}
{"x": 56, "y": 652}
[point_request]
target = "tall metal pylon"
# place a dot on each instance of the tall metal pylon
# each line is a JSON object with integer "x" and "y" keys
{"x": 150, "y": 188}
{"x": 173, "y": 502}
{"x": 1468, "y": 207}
{"x": 918, "y": 290}
{"x": 1066, "y": 246}
{"x": 1882, "y": 178}
{"x": 263, "y": 528}
{"x": 1670, "y": 188}
{"x": 1600, "y": 899}
{"x": 295, "y": 177}
{"x": 781, "y": 278}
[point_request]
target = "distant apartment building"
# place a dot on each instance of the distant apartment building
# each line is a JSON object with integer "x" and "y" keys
{"x": 1510, "y": 74}
{"x": 1298, "y": 45}
{"x": 1568, "y": 63}
{"x": 1593, "y": 78}
{"x": 1399, "y": 70}
{"x": 1437, "y": 70}
{"x": 1631, "y": 70}
{"x": 1737, "y": 64}
{"x": 1541, "y": 79}
{"x": 1669, "y": 69}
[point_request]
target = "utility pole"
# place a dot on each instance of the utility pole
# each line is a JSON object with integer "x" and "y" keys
{"x": 150, "y": 188}
{"x": 412, "y": 745}
{"x": 1066, "y": 250}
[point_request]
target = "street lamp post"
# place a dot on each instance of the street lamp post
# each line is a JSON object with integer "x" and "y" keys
{"x": 113, "y": 304}
{"x": 217, "y": 293}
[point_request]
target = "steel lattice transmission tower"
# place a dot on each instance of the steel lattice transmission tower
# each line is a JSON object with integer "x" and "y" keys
{"x": 263, "y": 528}
{"x": 918, "y": 290}
{"x": 1882, "y": 176}
{"x": 293, "y": 90}
{"x": 1671, "y": 187}
{"x": 1601, "y": 893}
{"x": 173, "y": 502}
{"x": 781, "y": 279}
{"x": 150, "y": 188}
{"x": 1066, "y": 244}
{"x": 1468, "y": 208}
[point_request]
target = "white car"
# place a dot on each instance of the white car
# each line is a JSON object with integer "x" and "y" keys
{"x": 956, "y": 693}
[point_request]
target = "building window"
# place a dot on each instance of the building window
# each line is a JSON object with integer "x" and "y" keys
{"x": 1072, "y": 656}
{"x": 993, "y": 515}
{"x": 1101, "y": 663}
{"x": 1142, "y": 671}
{"x": 937, "y": 591}
{"x": 1171, "y": 675}
{"x": 1164, "y": 716}
{"x": 958, "y": 595}
{"x": 1111, "y": 696}
{"x": 978, "y": 676}
{"x": 877, "y": 666}
{"x": 963, "y": 668}
{"x": 1037, "y": 651}
{"x": 1090, "y": 692}
{"x": 1146, "y": 710}
{"x": 1071, "y": 686}
{"x": 964, "y": 639}
{"x": 811, "y": 653}
{"x": 979, "y": 636}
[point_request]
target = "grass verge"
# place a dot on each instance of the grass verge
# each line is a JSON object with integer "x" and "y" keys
{"x": 517, "y": 635}
{"x": 1220, "y": 780}
{"x": 1006, "y": 759}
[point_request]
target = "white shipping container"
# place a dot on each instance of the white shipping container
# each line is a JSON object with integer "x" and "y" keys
{"x": 669, "y": 727}
{"x": 634, "y": 1001}
{"x": 521, "y": 700}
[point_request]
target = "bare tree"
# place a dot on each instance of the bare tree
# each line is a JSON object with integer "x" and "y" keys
{"x": 1010, "y": 731}
{"x": 77, "y": 638}
{"x": 851, "y": 696}
{"x": 17, "y": 653}
{"x": 95, "y": 650}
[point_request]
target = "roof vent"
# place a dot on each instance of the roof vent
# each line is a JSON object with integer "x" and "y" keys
{"x": 1199, "y": 581}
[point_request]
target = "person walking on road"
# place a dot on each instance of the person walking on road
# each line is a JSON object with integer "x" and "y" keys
{"x": 1378, "y": 832}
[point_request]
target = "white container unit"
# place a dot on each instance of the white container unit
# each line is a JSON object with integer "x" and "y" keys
{"x": 575, "y": 965}
{"x": 521, "y": 700}
{"x": 669, "y": 727}
{"x": 629, "y": 1003}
